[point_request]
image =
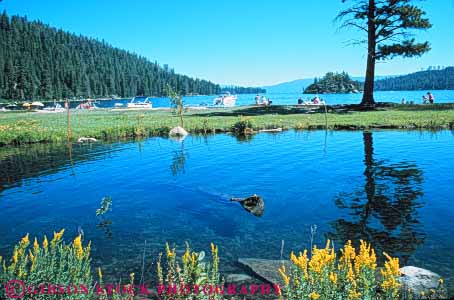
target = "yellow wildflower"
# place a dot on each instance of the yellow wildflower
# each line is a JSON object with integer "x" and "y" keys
{"x": 15, "y": 256}
{"x": 348, "y": 254}
{"x": 170, "y": 253}
{"x": 440, "y": 281}
{"x": 322, "y": 258}
{"x": 314, "y": 295}
{"x": 57, "y": 237}
{"x": 88, "y": 249}
{"x": 45, "y": 243}
{"x": 390, "y": 273}
{"x": 350, "y": 273}
{"x": 301, "y": 261}
{"x": 36, "y": 246}
{"x": 365, "y": 258}
{"x": 77, "y": 244}
{"x": 99, "y": 274}
{"x": 32, "y": 257}
{"x": 194, "y": 259}
{"x": 285, "y": 277}
{"x": 354, "y": 295}
{"x": 186, "y": 256}
{"x": 333, "y": 277}
{"x": 25, "y": 241}
{"x": 131, "y": 276}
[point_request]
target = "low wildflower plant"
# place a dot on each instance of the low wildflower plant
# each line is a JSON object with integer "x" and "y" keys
{"x": 178, "y": 276}
{"x": 54, "y": 270}
{"x": 351, "y": 275}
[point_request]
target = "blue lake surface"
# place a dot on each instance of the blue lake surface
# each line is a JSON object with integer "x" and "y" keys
{"x": 443, "y": 96}
{"x": 391, "y": 188}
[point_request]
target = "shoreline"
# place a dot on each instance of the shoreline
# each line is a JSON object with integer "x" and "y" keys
{"x": 19, "y": 128}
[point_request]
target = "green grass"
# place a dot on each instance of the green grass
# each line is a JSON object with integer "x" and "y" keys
{"x": 29, "y": 127}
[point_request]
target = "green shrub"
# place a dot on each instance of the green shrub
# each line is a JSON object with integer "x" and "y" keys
{"x": 243, "y": 126}
{"x": 190, "y": 270}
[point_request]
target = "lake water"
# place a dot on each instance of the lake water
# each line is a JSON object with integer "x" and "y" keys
{"x": 444, "y": 96}
{"x": 392, "y": 188}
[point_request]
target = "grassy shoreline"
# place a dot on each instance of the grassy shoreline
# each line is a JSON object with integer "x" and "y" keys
{"x": 30, "y": 127}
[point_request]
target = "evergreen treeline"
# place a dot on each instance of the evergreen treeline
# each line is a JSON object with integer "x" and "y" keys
{"x": 243, "y": 90}
{"x": 334, "y": 83}
{"x": 41, "y": 62}
{"x": 432, "y": 79}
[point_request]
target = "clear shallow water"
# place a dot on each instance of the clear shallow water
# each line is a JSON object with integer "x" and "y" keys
{"x": 444, "y": 96}
{"x": 392, "y": 188}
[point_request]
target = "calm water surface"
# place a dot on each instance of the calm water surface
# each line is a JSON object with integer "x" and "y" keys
{"x": 392, "y": 188}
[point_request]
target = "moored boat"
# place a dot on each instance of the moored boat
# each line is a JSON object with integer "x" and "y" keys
{"x": 226, "y": 100}
{"x": 140, "y": 102}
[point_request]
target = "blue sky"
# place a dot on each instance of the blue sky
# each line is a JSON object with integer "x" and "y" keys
{"x": 244, "y": 42}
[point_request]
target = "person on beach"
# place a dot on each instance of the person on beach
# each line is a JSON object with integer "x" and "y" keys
{"x": 264, "y": 102}
{"x": 404, "y": 101}
{"x": 431, "y": 97}
{"x": 316, "y": 100}
{"x": 257, "y": 99}
{"x": 424, "y": 99}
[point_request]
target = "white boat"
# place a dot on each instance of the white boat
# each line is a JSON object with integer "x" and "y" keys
{"x": 140, "y": 102}
{"x": 226, "y": 100}
{"x": 56, "y": 108}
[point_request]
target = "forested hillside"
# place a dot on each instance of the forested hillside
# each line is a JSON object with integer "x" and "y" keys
{"x": 433, "y": 79}
{"x": 243, "y": 90}
{"x": 334, "y": 83}
{"x": 41, "y": 62}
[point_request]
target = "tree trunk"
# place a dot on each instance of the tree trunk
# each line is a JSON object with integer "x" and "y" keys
{"x": 368, "y": 95}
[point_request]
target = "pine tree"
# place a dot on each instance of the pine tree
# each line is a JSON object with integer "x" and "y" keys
{"x": 389, "y": 26}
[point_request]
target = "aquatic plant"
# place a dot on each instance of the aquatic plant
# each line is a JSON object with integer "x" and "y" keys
{"x": 188, "y": 271}
{"x": 324, "y": 275}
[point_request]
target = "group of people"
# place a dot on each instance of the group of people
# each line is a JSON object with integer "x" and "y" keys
{"x": 426, "y": 99}
{"x": 262, "y": 101}
{"x": 315, "y": 100}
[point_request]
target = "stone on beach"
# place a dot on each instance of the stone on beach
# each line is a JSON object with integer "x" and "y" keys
{"x": 178, "y": 131}
{"x": 418, "y": 279}
{"x": 86, "y": 139}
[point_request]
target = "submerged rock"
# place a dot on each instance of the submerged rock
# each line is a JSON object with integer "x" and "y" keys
{"x": 418, "y": 279}
{"x": 253, "y": 204}
{"x": 178, "y": 131}
{"x": 266, "y": 269}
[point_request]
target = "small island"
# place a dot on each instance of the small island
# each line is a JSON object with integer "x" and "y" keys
{"x": 334, "y": 83}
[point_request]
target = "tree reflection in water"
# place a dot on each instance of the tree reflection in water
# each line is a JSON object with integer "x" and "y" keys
{"x": 384, "y": 211}
{"x": 178, "y": 160}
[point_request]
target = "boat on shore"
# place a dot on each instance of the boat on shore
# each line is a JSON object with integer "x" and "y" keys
{"x": 53, "y": 109}
{"x": 140, "y": 102}
{"x": 87, "y": 105}
{"x": 226, "y": 100}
